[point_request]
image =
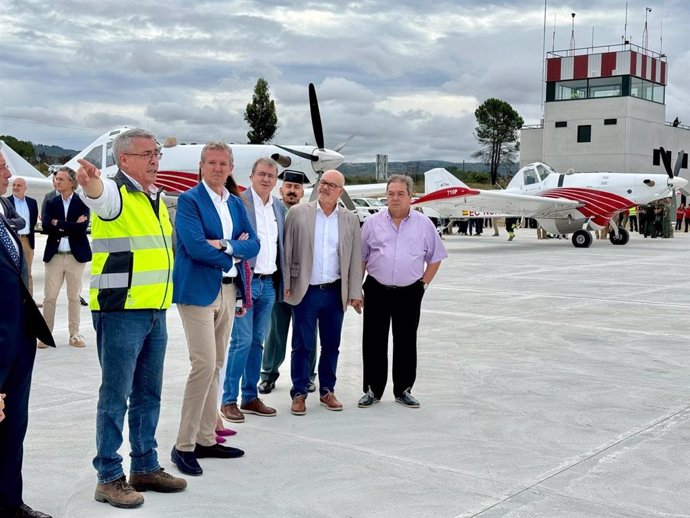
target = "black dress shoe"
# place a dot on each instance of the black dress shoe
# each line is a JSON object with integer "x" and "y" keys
{"x": 407, "y": 400}
{"x": 217, "y": 451}
{"x": 83, "y": 302}
{"x": 24, "y": 511}
{"x": 368, "y": 399}
{"x": 186, "y": 462}
{"x": 265, "y": 387}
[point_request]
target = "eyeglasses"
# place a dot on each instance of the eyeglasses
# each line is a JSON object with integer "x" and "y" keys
{"x": 330, "y": 185}
{"x": 266, "y": 175}
{"x": 149, "y": 155}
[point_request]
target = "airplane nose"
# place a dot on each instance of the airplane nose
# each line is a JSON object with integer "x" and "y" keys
{"x": 677, "y": 182}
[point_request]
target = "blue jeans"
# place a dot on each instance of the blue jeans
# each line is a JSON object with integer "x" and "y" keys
{"x": 246, "y": 344}
{"x": 325, "y": 307}
{"x": 131, "y": 350}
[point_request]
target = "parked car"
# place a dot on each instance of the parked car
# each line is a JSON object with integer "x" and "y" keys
{"x": 366, "y": 207}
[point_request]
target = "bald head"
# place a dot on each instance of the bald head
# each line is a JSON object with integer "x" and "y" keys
{"x": 330, "y": 189}
{"x": 19, "y": 188}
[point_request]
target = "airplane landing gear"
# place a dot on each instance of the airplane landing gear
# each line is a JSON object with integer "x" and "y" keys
{"x": 582, "y": 239}
{"x": 621, "y": 239}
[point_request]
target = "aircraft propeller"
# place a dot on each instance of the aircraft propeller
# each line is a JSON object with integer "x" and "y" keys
{"x": 323, "y": 158}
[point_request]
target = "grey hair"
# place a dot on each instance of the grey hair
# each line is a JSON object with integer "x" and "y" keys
{"x": 265, "y": 160}
{"x": 401, "y": 178}
{"x": 71, "y": 173}
{"x": 123, "y": 142}
{"x": 217, "y": 145}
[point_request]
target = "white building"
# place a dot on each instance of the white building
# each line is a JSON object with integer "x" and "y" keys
{"x": 605, "y": 111}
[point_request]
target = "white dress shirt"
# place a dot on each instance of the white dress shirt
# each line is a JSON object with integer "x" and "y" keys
{"x": 267, "y": 231}
{"x": 326, "y": 261}
{"x": 64, "y": 242}
{"x": 23, "y": 209}
{"x": 221, "y": 205}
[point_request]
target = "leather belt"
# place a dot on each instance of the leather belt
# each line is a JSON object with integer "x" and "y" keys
{"x": 64, "y": 253}
{"x": 228, "y": 280}
{"x": 327, "y": 285}
{"x": 262, "y": 276}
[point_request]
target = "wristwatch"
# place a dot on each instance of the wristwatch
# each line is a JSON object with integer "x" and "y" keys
{"x": 223, "y": 245}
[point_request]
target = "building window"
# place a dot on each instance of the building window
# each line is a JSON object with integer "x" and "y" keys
{"x": 561, "y": 124}
{"x": 647, "y": 90}
{"x": 584, "y": 133}
{"x": 605, "y": 87}
{"x": 571, "y": 90}
{"x": 610, "y": 122}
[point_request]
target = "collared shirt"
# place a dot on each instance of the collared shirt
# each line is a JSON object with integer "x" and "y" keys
{"x": 326, "y": 261}
{"x": 267, "y": 230}
{"x": 109, "y": 204}
{"x": 221, "y": 205}
{"x": 23, "y": 209}
{"x": 64, "y": 242}
{"x": 2, "y": 211}
{"x": 395, "y": 256}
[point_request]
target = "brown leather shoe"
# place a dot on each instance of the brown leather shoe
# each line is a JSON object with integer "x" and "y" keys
{"x": 299, "y": 405}
{"x": 256, "y": 406}
{"x": 158, "y": 481}
{"x": 119, "y": 493}
{"x": 231, "y": 413}
{"x": 330, "y": 402}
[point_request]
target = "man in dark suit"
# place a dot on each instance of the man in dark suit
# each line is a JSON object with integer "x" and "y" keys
{"x": 27, "y": 209}
{"x": 20, "y": 324}
{"x": 67, "y": 252}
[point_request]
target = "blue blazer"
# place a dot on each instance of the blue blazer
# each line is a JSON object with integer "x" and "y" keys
{"x": 199, "y": 266}
{"x": 67, "y": 227}
{"x": 33, "y": 217}
{"x": 280, "y": 212}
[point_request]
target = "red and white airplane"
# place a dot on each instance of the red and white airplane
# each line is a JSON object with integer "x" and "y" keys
{"x": 179, "y": 166}
{"x": 562, "y": 203}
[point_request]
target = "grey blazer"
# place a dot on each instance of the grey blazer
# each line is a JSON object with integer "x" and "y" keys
{"x": 299, "y": 252}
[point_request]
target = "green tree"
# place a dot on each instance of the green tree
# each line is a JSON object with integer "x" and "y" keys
{"x": 261, "y": 115}
{"x": 22, "y": 147}
{"x": 497, "y": 132}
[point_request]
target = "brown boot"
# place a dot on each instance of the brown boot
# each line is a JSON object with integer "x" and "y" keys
{"x": 158, "y": 481}
{"x": 330, "y": 402}
{"x": 118, "y": 493}
{"x": 299, "y": 405}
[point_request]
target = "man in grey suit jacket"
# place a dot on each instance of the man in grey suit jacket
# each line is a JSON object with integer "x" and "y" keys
{"x": 266, "y": 214}
{"x": 322, "y": 276}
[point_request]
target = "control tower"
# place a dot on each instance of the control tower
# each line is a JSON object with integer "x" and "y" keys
{"x": 605, "y": 110}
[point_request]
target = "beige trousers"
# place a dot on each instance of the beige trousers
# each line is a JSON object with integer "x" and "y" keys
{"x": 207, "y": 329}
{"x": 61, "y": 268}
{"x": 29, "y": 258}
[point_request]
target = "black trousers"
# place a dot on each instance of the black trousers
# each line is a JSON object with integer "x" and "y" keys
{"x": 15, "y": 381}
{"x": 382, "y": 306}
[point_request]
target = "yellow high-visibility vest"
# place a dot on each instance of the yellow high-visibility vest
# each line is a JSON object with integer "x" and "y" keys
{"x": 132, "y": 255}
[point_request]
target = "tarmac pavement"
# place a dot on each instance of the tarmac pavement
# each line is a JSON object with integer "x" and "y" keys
{"x": 553, "y": 381}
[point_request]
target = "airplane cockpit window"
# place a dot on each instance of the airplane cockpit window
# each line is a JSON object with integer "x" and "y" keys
{"x": 95, "y": 156}
{"x": 109, "y": 157}
{"x": 544, "y": 171}
{"x": 531, "y": 177}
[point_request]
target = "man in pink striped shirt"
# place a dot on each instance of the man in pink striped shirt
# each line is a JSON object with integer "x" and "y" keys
{"x": 401, "y": 252}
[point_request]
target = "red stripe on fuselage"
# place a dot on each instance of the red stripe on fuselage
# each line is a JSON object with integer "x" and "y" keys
{"x": 598, "y": 205}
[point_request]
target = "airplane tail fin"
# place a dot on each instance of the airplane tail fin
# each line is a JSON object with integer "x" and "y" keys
{"x": 17, "y": 165}
{"x": 439, "y": 178}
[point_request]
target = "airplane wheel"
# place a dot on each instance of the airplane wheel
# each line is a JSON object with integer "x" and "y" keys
{"x": 622, "y": 239}
{"x": 582, "y": 239}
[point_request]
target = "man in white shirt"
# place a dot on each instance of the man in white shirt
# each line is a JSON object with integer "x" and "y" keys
{"x": 267, "y": 214}
{"x": 28, "y": 209}
{"x": 323, "y": 275}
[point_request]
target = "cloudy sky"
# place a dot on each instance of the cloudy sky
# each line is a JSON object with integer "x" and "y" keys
{"x": 403, "y": 76}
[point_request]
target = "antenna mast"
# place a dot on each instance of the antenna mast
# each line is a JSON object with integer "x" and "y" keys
{"x": 572, "y": 35}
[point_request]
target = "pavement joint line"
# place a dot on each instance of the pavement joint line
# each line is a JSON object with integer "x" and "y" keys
{"x": 588, "y": 456}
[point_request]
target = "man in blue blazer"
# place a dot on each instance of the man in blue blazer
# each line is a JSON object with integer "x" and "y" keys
{"x": 28, "y": 209}
{"x": 267, "y": 214}
{"x": 20, "y": 324}
{"x": 67, "y": 252}
{"x": 214, "y": 238}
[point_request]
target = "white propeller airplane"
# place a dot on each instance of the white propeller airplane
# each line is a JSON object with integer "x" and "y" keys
{"x": 179, "y": 165}
{"x": 562, "y": 203}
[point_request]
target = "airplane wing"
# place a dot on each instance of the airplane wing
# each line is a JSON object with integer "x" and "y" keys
{"x": 452, "y": 201}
